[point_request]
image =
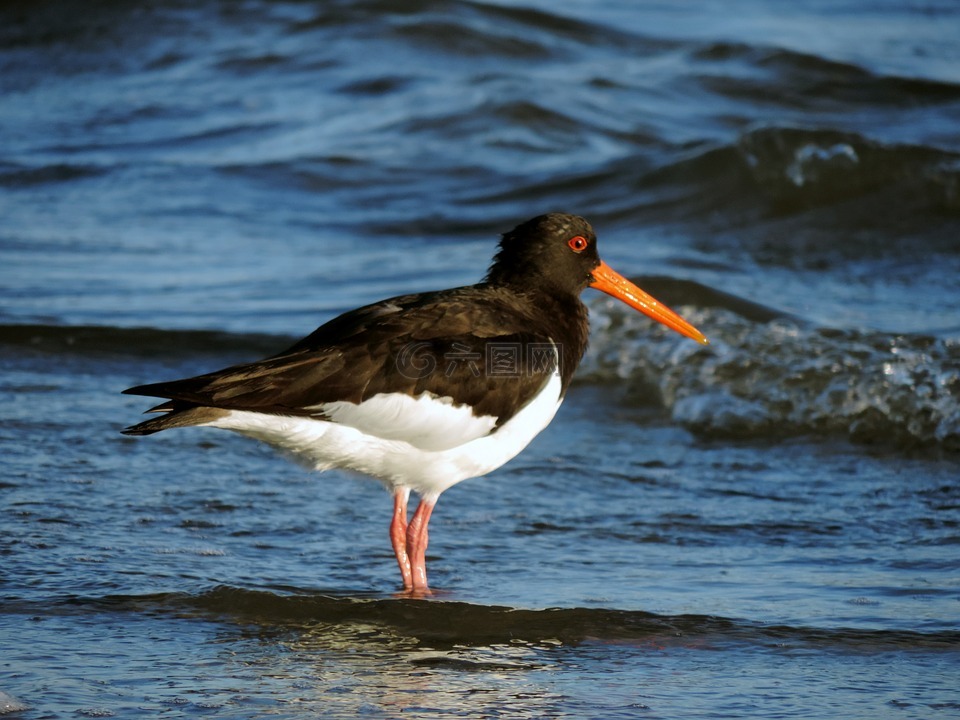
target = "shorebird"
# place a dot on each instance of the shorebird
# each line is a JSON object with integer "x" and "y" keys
{"x": 426, "y": 390}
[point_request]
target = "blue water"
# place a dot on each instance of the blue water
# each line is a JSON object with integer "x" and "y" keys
{"x": 766, "y": 527}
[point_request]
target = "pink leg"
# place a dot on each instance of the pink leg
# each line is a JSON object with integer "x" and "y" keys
{"x": 417, "y": 545}
{"x": 398, "y": 535}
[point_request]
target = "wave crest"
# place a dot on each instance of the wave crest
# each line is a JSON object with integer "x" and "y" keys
{"x": 449, "y": 623}
{"x": 782, "y": 378}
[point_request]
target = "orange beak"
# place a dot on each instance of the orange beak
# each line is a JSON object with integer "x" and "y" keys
{"x": 613, "y": 283}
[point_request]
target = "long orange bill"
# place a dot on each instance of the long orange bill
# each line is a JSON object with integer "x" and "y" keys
{"x": 608, "y": 280}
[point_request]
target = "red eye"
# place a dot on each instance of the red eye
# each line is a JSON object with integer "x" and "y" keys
{"x": 577, "y": 243}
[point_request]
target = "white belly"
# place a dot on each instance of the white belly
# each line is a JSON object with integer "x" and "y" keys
{"x": 450, "y": 446}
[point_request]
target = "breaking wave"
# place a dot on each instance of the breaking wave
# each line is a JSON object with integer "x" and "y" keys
{"x": 768, "y": 375}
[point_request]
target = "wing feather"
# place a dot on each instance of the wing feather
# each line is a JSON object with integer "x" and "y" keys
{"x": 439, "y": 346}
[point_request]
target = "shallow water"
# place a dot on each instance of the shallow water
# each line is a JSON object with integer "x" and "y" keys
{"x": 764, "y": 527}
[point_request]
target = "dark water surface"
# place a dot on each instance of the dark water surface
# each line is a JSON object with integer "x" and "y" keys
{"x": 765, "y": 527}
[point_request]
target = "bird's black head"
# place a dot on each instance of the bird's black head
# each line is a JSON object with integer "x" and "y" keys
{"x": 555, "y": 252}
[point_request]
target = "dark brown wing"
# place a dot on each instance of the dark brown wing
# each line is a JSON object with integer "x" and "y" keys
{"x": 479, "y": 346}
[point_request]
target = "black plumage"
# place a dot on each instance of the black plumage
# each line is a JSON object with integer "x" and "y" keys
{"x": 446, "y": 343}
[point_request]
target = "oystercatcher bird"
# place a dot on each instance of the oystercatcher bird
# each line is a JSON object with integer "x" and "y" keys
{"x": 423, "y": 391}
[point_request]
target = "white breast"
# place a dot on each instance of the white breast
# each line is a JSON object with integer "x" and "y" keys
{"x": 427, "y": 422}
